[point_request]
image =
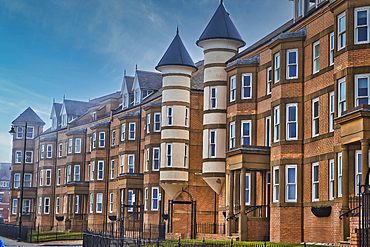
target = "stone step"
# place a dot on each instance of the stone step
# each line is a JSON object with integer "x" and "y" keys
{"x": 345, "y": 243}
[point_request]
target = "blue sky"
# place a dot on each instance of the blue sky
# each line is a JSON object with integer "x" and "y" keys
{"x": 80, "y": 48}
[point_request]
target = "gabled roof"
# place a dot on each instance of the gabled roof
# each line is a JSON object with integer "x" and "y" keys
{"x": 221, "y": 27}
{"x": 127, "y": 81}
{"x": 176, "y": 54}
{"x": 115, "y": 95}
{"x": 76, "y": 108}
{"x": 56, "y": 107}
{"x": 149, "y": 80}
{"x": 30, "y": 116}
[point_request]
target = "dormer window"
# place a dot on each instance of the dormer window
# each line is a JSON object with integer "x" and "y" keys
{"x": 299, "y": 8}
{"x": 137, "y": 96}
{"x": 311, "y": 3}
{"x": 125, "y": 100}
{"x": 146, "y": 93}
{"x": 94, "y": 116}
{"x": 55, "y": 123}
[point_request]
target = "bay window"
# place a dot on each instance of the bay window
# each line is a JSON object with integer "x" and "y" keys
{"x": 316, "y": 57}
{"x": 342, "y": 31}
{"x": 362, "y": 25}
{"x": 155, "y": 159}
{"x": 315, "y": 181}
{"x": 341, "y": 96}
{"x": 292, "y": 121}
{"x": 331, "y": 112}
{"x": 247, "y": 86}
{"x": 276, "y": 124}
{"x": 232, "y": 88}
{"x": 315, "y": 117}
{"x": 131, "y": 166}
{"x": 232, "y": 135}
{"x": 291, "y": 183}
{"x": 132, "y": 130}
{"x": 155, "y": 192}
{"x": 362, "y": 89}
{"x": 275, "y": 191}
{"x": 292, "y": 64}
{"x": 331, "y": 179}
{"x": 246, "y": 132}
{"x": 277, "y": 68}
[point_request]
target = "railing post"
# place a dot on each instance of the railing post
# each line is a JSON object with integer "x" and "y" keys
{"x": 38, "y": 233}
{"x": 179, "y": 241}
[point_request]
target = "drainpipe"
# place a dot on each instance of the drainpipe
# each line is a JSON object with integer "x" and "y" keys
{"x": 107, "y": 173}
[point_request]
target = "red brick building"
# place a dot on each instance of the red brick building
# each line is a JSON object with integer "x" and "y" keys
{"x": 4, "y": 190}
{"x": 259, "y": 138}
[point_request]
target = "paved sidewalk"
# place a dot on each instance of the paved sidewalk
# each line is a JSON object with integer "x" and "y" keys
{"x": 11, "y": 243}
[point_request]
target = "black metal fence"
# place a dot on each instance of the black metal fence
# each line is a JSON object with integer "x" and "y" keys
{"x": 12, "y": 231}
{"x": 210, "y": 228}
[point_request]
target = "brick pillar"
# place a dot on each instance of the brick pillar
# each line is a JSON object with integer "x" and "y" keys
{"x": 230, "y": 222}
{"x": 253, "y": 188}
{"x": 242, "y": 218}
{"x": 365, "y": 158}
{"x": 345, "y": 194}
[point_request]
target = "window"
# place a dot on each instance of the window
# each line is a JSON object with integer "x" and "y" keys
{"x": 49, "y": 151}
{"x": 123, "y": 132}
{"x": 30, "y": 131}
{"x": 362, "y": 25}
{"x": 212, "y": 143}
{"x": 331, "y": 61}
{"x": 169, "y": 115}
{"x": 155, "y": 198}
{"x": 311, "y": 3}
{"x": 94, "y": 140}
{"x": 268, "y": 132}
{"x": 94, "y": 116}
{"x": 60, "y": 149}
{"x": 186, "y": 156}
{"x": 70, "y": 146}
{"x": 18, "y": 156}
{"x": 15, "y": 205}
{"x": 77, "y": 173}
{"x": 110, "y": 202}
{"x": 362, "y": 89}
{"x": 157, "y": 122}
{"x": 277, "y": 68}
{"x": 39, "y": 205}
{"x": 122, "y": 164}
{"x": 41, "y": 177}
{"x": 291, "y": 183}
{"x": 276, "y": 124}
{"x": 292, "y": 122}
{"x": 42, "y": 151}
{"x": 169, "y": 155}
{"x": 146, "y": 199}
{"x": 112, "y": 169}
{"x": 137, "y": 96}
{"x": 17, "y": 180}
{"x": 57, "y": 206}
{"x": 246, "y": 86}
{"x": 213, "y": 98}
{"x": 69, "y": 174}
{"x": 132, "y": 127}
{"x": 315, "y": 181}
{"x": 2, "y": 197}
{"x": 78, "y": 145}
{"x": 131, "y": 163}
{"x": 247, "y": 189}
{"x": 26, "y": 206}
{"x": 340, "y": 174}
{"x": 65, "y": 175}
{"x": 186, "y": 117}
{"x": 29, "y": 156}
{"x": 316, "y": 57}
{"x": 100, "y": 170}
{"x": 269, "y": 80}
{"x": 59, "y": 176}
{"x": 91, "y": 203}
{"x": 125, "y": 102}
{"x": 155, "y": 159}
{"x": 232, "y": 135}
{"x": 292, "y": 64}
{"x": 299, "y": 8}
{"x": 147, "y": 160}
{"x": 46, "y": 205}
{"x": 331, "y": 117}
{"x": 19, "y": 133}
{"x": 246, "y": 132}
{"x": 341, "y": 31}
{"x": 48, "y": 177}
{"x": 315, "y": 117}
{"x": 358, "y": 170}
{"x": 66, "y": 148}
{"x": 275, "y": 191}
{"x": 27, "y": 180}
{"x": 232, "y": 88}
{"x": 331, "y": 179}
{"x": 102, "y": 139}
{"x": 130, "y": 199}
{"x": 342, "y": 96}
{"x": 148, "y": 123}
{"x": 99, "y": 202}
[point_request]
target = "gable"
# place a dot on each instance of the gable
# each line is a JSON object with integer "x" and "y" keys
{"x": 63, "y": 110}
{"x": 136, "y": 85}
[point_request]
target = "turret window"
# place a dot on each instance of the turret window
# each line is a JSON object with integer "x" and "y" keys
{"x": 292, "y": 64}
{"x": 362, "y": 25}
{"x": 247, "y": 86}
{"x": 213, "y": 97}
{"x": 169, "y": 155}
{"x": 232, "y": 88}
{"x": 169, "y": 115}
{"x": 212, "y": 143}
{"x": 341, "y": 31}
{"x": 155, "y": 159}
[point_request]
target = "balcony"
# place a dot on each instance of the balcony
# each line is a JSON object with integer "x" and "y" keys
{"x": 250, "y": 157}
{"x": 78, "y": 188}
{"x": 130, "y": 180}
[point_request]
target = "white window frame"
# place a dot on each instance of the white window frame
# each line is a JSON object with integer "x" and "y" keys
{"x": 315, "y": 183}
{"x": 77, "y": 199}
{"x": 100, "y": 174}
{"x": 129, "y": 200}
{"x": 287, "y": 167}
{"x": 60, "y": 149}
{"x": 122, "y": 165}
{"x": 31, "y": 157}
{"x": 111, "y": 203}
{"x": 112, "y": 169}
{"x": 357, "y": 97}
{"x": 357, "y": 27}
{"x": 358, "y": 170}
{"x": 101, "y": 139}
{"x": 315, "y": 132}
{"x": 19, "y": 133}
{"x": 146, "y": 196}
{"x": 113, "y": 138}
{"x": 59, "y": 174}
{"x": 94, "y": 140}
{"x": 156, "y": 159}
{"x": 340, "y": 174}
{"x": 331, "y": 111}
{"x": 276, "y": 184}
{"x": 14, "y": 206}
{"x": 17, "y": 180}
{"x": 77, "y": 172}
{"x": 331, "y": 42}
{"x": 29, "y": 131}
{"x": 269, "y": 80}
{"x": 39, "y": 206}
{"x": 250, "y": 86}
{"x": 57, "y": 205}
{"x": 155, "y": 199}
{"x": 131, "y": 165}
{"x": 46, "y": 205}
{"x": 49, "y": 154}
{"x": 92, "y": 170}
{"x": 46, "y": 177}
{"x": 27, "y": 181}
{"x": 233, "y": 88}
{"x": 291, "y": 64}
{"x": 91, "y": 203}
{"x": 250, "y": 132}
{"x": 70, "y": 143}
{"x": 315, "y": 58}
{"x": 291, "y": 122}
{"x": 186, "y": 154}
{"x": 148, "y": 123}
{"x": 277, "y": 67}
{"x": 211, "y": 144}
{"x": 276, "y": 123}
{"x": 213, "y": 98}
{"x": 123, "y": 131}
{"x": 99, "y": 200}
{"x": 186, "y": 116}
{"x": 342, "y": 104}
{"x": 42, "y": 151}
{"x": 268, "y": 131}
{"x": 157, "y": 123}
{"x": 78, "y": 144}
{"x": 69, "y": 174}
{"x": 232, "y": 136}
{"x": 343, "y": 32}
{"x": 130, "y": 131}
{"x": 169, "y": 115}
{"x": 247, "y": 189}
{"x": 41, "y": 177}
{"x": 147, "y": 159}
{"x": 331, "y": 179}
{"x": 169, "y": 155}
{"x": 18, "y": 156}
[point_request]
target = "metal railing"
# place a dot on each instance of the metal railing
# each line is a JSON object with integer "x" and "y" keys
{"x": 11, "y": 231}
{"x": 210, "y": 228}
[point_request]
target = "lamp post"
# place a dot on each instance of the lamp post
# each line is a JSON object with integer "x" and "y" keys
{"x": 12, "y": 132}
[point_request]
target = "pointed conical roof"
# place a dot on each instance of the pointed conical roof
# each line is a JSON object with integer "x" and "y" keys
{"x": 28, "y": 116}
{"x": 176, "y": 54}
{"x": 221, "y": 27}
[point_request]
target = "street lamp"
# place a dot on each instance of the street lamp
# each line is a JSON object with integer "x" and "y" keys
{"x": 12, "y": 132}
